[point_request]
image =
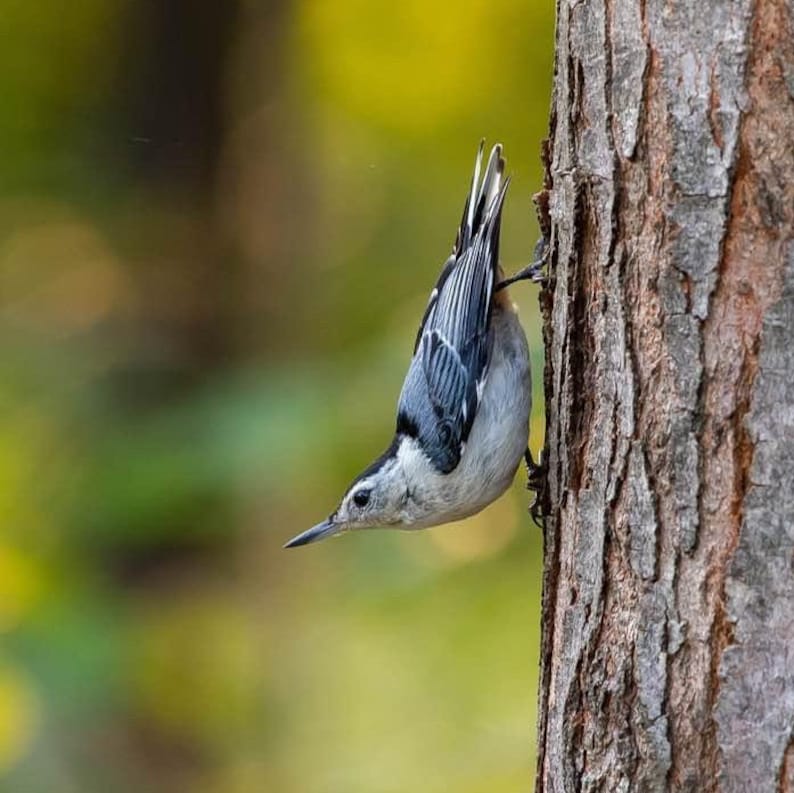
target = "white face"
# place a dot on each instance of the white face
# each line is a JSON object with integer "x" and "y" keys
{"x": 379, "y": 498}
{"x": 359, "y": 510}
{"x": 376, "y": 500}
{"x": 358, "y": 505}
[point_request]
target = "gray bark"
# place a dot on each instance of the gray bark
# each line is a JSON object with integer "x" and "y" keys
{"x": 668, "y": 607}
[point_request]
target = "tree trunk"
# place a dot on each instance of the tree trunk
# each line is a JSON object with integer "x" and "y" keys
{"x": 668, "y": 605}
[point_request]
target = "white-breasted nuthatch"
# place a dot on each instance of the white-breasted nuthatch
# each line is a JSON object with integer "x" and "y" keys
{"x": 463, "y": 414}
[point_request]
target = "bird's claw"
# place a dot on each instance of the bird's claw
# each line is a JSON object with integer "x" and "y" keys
{"x": 534, "y": 271}
{"x": 536, "y": 480}
{"x": 540, "y": 257}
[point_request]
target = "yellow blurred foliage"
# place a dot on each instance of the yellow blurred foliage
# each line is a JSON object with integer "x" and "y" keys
{"x": 24, "y": 435}
{"x": 427, "y": 58}
{"x": 196, "y": 665}
{"x": 79, "y": 279}
{"x": 20, "y": 583}
{"x": 480, "y": 536}
{"x": 19, "y": 716}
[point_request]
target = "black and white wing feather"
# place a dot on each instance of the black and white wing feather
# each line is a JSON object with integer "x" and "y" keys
{"x": 445, "y": 382}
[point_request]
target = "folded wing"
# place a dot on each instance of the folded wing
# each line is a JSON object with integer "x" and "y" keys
{"x": 445, "y": 384}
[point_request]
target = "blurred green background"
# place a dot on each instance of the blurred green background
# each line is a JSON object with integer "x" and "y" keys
{"x": 220, "y": 223}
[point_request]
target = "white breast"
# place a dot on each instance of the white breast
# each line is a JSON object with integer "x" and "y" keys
{"x": 496, "y": 444}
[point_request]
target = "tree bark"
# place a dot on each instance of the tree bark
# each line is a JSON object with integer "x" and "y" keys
{"x": 668, "y": 608}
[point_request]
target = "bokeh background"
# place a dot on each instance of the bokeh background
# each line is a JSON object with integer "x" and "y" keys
{"x": 219, "y": 224}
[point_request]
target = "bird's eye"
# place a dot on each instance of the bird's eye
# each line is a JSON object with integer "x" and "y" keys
{"x": 361, "y": 498}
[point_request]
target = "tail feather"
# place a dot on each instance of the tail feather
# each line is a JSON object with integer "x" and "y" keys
{"x": 492, "y": 181}
{"x": 481, "y": 200}
{"x": 471, "y": 202}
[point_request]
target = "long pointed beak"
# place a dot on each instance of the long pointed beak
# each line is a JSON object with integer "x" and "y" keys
{"x": 319, "y": 532}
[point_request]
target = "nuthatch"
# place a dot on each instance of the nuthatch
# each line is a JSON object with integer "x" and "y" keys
{"x": 463, "y": 414}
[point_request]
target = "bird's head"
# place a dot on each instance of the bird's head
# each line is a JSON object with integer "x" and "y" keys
{"x": 377, "y": 497}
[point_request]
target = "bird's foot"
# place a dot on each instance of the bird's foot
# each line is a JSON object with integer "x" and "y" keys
{"x": 536, "y": 481}
{"x": 533, "y": 271}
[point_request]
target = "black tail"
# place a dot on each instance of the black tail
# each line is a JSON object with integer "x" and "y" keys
{"x": 481, "y": 196}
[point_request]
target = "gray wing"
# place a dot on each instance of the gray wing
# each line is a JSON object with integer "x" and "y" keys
{"x": 445, "y": 382}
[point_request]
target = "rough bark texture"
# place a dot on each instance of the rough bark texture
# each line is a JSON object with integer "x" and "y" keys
{"x": 668, "y": 625}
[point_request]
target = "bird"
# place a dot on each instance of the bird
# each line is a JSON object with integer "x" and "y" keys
{"x": 463, "y": 413}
